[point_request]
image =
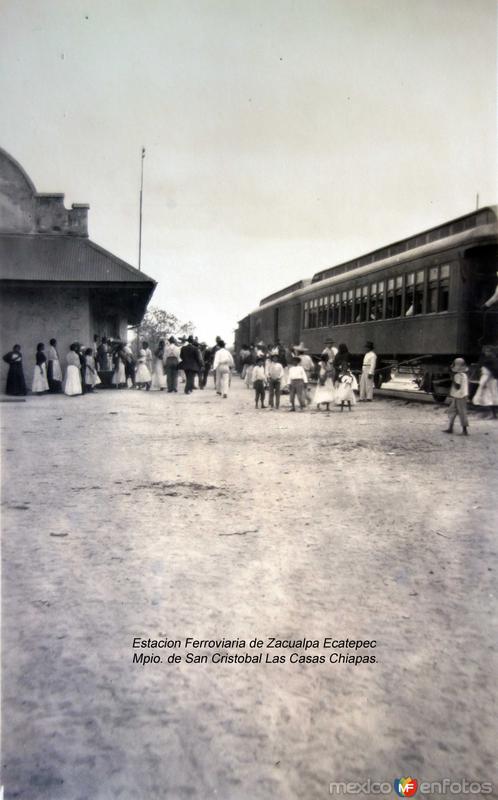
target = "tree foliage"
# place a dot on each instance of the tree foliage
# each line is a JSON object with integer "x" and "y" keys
{"x": 160, "y": 324}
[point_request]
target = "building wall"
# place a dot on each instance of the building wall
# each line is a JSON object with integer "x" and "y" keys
{"x": 29, "y": 316}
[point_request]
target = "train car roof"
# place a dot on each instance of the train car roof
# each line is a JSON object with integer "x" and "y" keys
{"x": 292, "y": 288}
{"x": 436, "y": 233}
{"x": 467, "y": 236}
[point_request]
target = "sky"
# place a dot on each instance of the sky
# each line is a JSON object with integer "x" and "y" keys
{"x": 281, "y": 136}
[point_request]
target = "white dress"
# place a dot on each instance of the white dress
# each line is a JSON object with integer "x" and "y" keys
{"x": 487, "y": 391}
{"x": 142, "y": 374}
{"x": 325, "y": 393}
{"x": 345, "y": 393}
{"x": 158, "y": 376}
{"x": 72, "y": 385}
{"x": 119, "y": 375}
{"x": 40, "y": 382}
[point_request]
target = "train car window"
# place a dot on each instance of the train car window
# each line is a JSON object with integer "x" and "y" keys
{"x": 390, "y": 298}
{"x": 350, "y": 316}
{"x": 379, "y": 309}
{"x": 357, "y": 304}
{"x": 410, "y": 295}
{"x": 306, "y": 315}
{"x": 364, "y": 303}
{"x": 398, "y": 296}
{"x": 373, "y": 300}
{"x": 418, "y": 300}
{"x": 444, "y": 288}
{"x": 337, "y": 308}
{"x": 330, "y": 313}
{"x": 344, "y": 308}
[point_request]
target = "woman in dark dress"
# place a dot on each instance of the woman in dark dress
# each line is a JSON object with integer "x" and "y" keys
{"x": 16, "y": 384}
{"x": 342, "y": 361}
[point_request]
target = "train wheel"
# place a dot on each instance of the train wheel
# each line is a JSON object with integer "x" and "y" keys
{"x": 439, "y": 398}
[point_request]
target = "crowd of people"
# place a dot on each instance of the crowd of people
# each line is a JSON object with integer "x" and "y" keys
{"x": 114, "y": 364}
{"x": 279, "y": 369}
{"x": 269, "y": 370}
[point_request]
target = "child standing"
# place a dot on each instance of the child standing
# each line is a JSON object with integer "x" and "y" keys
{"x": 298, "y": 380}
{"x": 345, "y": 390}
{"x": 275, "y": 375}
{"x": 258, "y": 382}
{"x": 459, "y": 393}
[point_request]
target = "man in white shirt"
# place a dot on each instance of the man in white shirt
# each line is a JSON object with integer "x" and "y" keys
{"x": 330, "y": 350}
{"x": 298, "y": 380}
{"x": 222, "y": 364}
{"x": 367, "y": 373}
{"x": 171, "y": 359}
{"x": 275, "y": 373}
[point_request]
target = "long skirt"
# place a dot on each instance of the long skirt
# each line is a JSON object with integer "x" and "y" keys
{"x": 487, "y": 392}
{"x": 119, "y": 376}
{"x": 54, "y": 375}
{"x": 345, "y": 394}
{"x": 158, "y": 377}
{"x": 142, "y": 374}
{"x": 72, "y": 386}
{"x": 16, "y": 384}
{"x": 325, "y": 393}
{"x": 40, "y": 382}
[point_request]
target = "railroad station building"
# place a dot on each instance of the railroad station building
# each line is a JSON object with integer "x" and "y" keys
{"x": 54, "y": 281}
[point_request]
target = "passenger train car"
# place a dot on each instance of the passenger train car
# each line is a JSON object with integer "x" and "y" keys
{"x": 420, "y": 298}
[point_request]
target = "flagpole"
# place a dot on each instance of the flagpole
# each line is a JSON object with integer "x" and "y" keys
{"x": 141, "y": 199}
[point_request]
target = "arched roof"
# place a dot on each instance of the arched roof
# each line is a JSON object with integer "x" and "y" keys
{"x": 23, "y": 175}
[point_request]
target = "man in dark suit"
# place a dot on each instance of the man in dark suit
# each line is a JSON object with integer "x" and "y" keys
{"x": 191, "y": 362}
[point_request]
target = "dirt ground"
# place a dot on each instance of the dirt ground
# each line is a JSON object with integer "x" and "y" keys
{"x": 132, "y": 514}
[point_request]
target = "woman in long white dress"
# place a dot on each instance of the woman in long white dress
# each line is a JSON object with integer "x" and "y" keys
{"x": 487, "y": 391}
{"x": 143, "y": 377}
{"x": 40, "y": 382}
{"x": 72, "y": 384}
{"x": 324, "y": 392}
{"x": 119, "y": 375}
{"x": 158, "y": 374}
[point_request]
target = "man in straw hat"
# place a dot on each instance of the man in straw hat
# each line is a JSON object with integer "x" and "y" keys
{"x": 459, "y": 393}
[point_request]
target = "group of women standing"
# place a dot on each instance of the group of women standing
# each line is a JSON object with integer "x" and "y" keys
{"x": 81, "y": 373}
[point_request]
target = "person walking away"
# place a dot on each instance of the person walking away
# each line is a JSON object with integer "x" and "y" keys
{"x": 298, "y": 380}
{"x": 148, "y": 356}
{"x": 345, "y": 389}
{"x": 129, "y": 366}
{"x": 16, "y": 383}
{"x": 40, "y": 382}
{"x": 222, "y": 364}
{"x": 143, "y": 377}
{"x": 367, "y": 373}
{"x": 259, "y": 382}
{"x": 275, "y": 376}
{"x": 486, "y": 395}
{"x": 244, "y": 359}
{"x": 190, "y": 362}
{"x": 72, "y": 384}
{"x": 158, "y": 377}
{"x": 459, "y": 393}
{"x": 324, "y": 393}
{"x": 54, "y": 371}
{"x": 208, "y": 358}
{"x": 90, "y": 370}
{"x": 171, "y": 361}
{"x": 103, "y": 356}
{"x": 119, "y": 375}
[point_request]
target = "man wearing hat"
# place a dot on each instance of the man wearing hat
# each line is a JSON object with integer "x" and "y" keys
{"x": 191, "y": 363}
{"x": 367, "y": 373}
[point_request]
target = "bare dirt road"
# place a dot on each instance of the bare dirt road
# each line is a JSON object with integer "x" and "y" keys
{"x": 132, "y": 515}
